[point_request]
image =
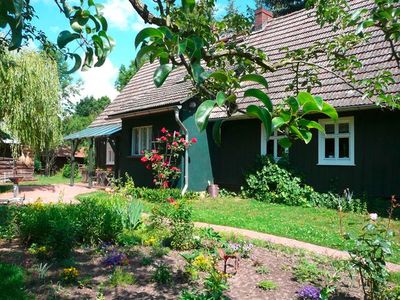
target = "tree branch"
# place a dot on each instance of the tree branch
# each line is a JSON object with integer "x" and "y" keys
{"x": 146, "y": 15}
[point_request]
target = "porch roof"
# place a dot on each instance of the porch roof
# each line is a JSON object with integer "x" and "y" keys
{"x": 98, "y": 131}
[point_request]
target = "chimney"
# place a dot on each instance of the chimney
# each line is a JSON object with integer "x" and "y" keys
{"x": 262, "y": 17}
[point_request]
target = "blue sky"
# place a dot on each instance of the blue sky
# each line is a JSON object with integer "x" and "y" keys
{"x": 123, "y": 27}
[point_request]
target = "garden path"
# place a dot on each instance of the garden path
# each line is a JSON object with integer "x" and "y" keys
{"x": 51, "y": 193}
{"x": 287, "y": 242}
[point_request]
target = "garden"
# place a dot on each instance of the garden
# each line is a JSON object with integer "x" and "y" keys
{"x": 141, "y": 243}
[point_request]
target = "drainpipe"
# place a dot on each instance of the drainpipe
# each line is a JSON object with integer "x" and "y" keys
{"x": 186, "y": 161}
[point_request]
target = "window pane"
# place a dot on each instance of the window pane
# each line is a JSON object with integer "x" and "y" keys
{"x": 270, "y": 147}
{"x": 149, "y": 138}
{"x": 344, "y": 148}
{"x": 343, "y": 127}
{"x": 135, "y": 141}
{"x": 329, "y": 128}
{"x": 329, "y": 148}
{"x": 280, "y": 150}
{"x": 143, "y": 139}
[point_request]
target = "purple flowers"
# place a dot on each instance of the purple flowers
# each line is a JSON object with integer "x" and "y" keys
{"x": 115, "y": 259}
{"x": 309, "y": 292}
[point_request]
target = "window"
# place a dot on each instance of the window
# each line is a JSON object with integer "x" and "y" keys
{"x": 110, "y": 155}
{"x": 336, "y": 146}
{"x": 141, "y": 139}
{"x": 272, "y": 147}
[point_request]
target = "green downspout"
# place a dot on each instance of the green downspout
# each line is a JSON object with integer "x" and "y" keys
{"x": 186, "y": 159}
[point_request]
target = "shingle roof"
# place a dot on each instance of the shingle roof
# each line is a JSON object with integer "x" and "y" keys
{"x": 296, "y": 30}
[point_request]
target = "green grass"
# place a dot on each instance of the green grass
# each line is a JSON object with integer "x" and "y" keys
{"x": 318, "y": 226}
{"x": 314, "y": 225}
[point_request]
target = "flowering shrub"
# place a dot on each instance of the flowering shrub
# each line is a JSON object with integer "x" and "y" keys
{"x": 164, "y": 159}
{"x": 70, "y": 275}
{"x": 309, "y": 292}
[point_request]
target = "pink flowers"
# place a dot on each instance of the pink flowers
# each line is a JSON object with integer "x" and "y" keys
{"x": 144, "y": 159}
{"x": 163, "y": 130}
{"x": 194, "y": 140}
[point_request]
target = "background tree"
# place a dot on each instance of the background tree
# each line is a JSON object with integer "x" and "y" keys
{"x": 29, "y": 99}
{"x": 83, "y": 113}
{"x": 124, "y": 75}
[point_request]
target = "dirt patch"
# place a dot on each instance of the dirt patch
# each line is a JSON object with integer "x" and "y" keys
{"x": 94, "y": 275}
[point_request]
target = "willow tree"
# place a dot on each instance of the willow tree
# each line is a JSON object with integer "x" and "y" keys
{"x": 30, "y": 99}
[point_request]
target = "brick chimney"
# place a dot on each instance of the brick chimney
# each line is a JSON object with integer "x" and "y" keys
{"x": 262, "y": 17}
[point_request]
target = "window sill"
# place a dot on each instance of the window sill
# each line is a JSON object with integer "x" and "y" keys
{"x": 337, "y": 164}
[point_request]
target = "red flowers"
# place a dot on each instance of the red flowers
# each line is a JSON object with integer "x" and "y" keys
{"x": 171, "y": 200}
{"x": 165, "y": 158}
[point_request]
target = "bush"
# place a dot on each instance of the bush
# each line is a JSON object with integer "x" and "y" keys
{"x": 66, "y": 171}
{"x": 52, "y": 226}
{"x": 12, "y": 282}
{"x": 59, "y": 227}
{"x": 177, "y": 217}
{"x": 274, "y": 183}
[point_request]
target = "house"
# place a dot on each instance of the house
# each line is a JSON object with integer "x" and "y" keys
{"x": 360, "y": 151}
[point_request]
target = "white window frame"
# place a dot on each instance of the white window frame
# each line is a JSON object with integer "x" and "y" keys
{"x": 264, "y": 143}
{"x": 110, "y": 159}
{"x": 148, "y": 132}
{"x": 336, "y": 161}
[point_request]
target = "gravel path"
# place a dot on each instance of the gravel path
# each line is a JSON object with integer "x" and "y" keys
{"x": 288, "y": 243}
{"x": 51, "y": 193}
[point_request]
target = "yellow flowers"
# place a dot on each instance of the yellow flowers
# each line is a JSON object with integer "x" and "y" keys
{"x": 70, "y": 275}
{"x": 202, "y": 263}
{"x": 150, "y": 241}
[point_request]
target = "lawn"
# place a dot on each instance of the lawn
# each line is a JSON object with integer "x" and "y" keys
{"x": 318, "y": 226}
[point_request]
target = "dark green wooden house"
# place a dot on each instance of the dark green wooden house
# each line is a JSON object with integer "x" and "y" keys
{"x": 361, "y": 151}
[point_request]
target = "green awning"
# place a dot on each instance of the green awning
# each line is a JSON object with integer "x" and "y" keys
{"x": 98, "y": 131}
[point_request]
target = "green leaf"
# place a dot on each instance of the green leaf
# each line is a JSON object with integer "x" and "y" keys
{"x": 277, "y": 122}
{"x": 147, "y": 33}
{"x": 293, "y": 104}
{"x": 311, "y": 124}
{"x": 203, "y": 113}
{"x": 304, "y": 97}
{"x": 262, "y": 114}
{"x": 220, "y": 100}
{"x": 103, "y": 21}
{"x": 197, "y": 70}
{"x": 188, "y": 5}
{"x": 16, "y": 33}
{"x": 219, "y": 76}
{"x": 256, "y": 78}
{"x": 260, "y": 95}
{"x": 330, "y": 111}
{"x": 216, "y": 132}
{"x": 161, "y": 74}
{"x": 78, "y": 62}
{"x": 144, "y": 50}
{"x": 65, "y": 37}
{"x": 285, "y": 142}
{"x": 88, "y": 62}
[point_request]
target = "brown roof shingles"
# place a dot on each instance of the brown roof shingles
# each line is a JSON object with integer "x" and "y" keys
{"x": 296, "y": 30}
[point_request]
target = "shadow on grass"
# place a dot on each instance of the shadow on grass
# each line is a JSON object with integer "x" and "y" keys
{"x": 12, "y": 283}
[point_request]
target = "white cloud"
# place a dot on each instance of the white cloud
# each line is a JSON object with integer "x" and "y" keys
{"x": 119, "y": 13}
{"x": 99, "y": 81}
